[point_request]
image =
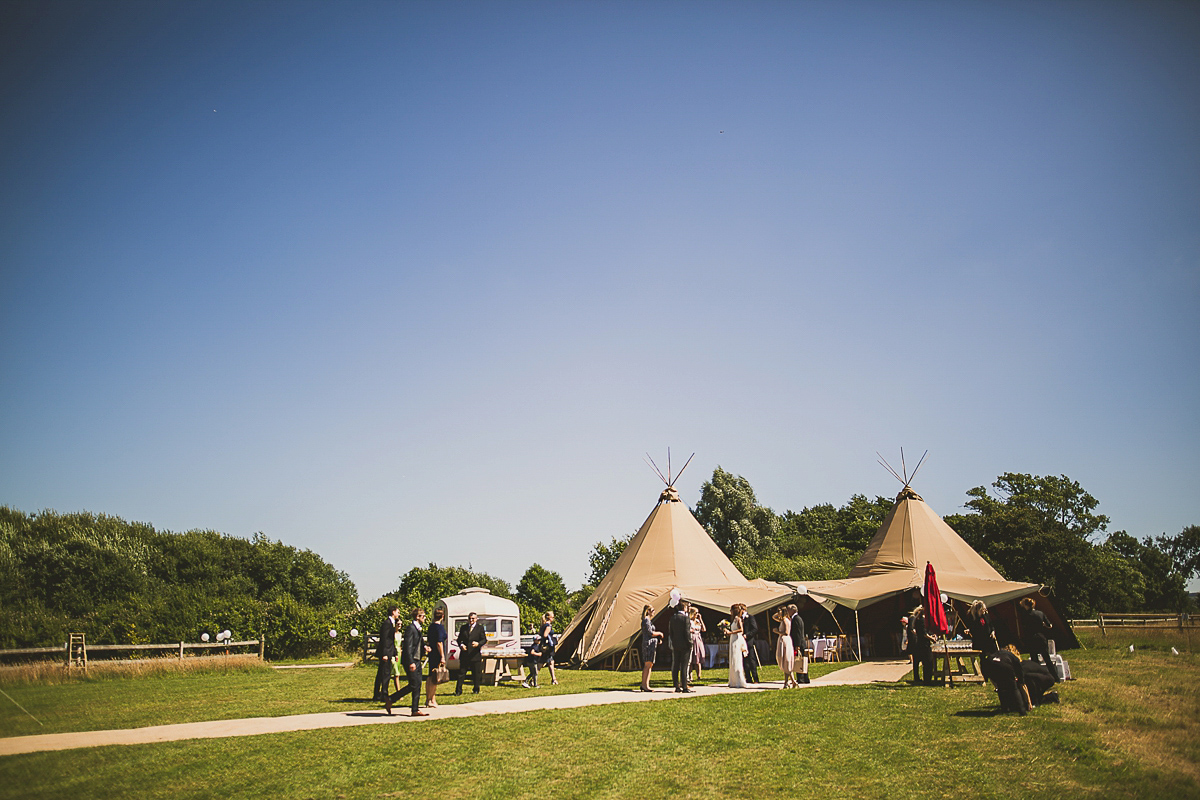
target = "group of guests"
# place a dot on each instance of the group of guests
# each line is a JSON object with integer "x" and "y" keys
{"x": 402, "y": 649}
{"x": 686, "y": 631}
{"x": 1019, "y": 684}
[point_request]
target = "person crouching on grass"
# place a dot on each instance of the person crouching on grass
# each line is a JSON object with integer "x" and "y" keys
{"x": 1003, "y": 669}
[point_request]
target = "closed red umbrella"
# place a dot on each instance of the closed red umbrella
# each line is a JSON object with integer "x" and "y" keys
{"x": 935, "y": 613}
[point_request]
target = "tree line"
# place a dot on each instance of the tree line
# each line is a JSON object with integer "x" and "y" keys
{"x": 127, "y": 583}
{"x": 1031, "y": 528}
{"x": 124, "y": 582}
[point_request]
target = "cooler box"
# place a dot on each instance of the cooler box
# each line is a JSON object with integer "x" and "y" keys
{"x": 1061, "y": 667}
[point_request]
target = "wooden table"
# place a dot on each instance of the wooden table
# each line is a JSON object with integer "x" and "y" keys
{"x": 953, "y": 657}
{"x": 497, "y": 667}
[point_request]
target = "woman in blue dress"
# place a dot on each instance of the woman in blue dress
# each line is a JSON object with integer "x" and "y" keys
{"x": 436, "y": 639}
{"x": 650, "y": 639}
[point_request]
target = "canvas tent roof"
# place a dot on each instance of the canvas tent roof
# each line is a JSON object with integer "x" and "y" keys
{"x": 670, "y": 550}
{"x": 894, "y": 561}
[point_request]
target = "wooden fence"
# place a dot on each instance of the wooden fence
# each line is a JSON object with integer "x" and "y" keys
{"x": 1181, "y": 622}
{"x": 179, "y": 648}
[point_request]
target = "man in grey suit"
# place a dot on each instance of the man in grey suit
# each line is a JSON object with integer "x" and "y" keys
{"x": 412, "y": 650}
{"x": 681, "y": 647}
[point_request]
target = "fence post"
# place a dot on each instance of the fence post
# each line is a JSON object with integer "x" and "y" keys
{"x": 1100, "y": 619}
{"x": 262, "y": 647}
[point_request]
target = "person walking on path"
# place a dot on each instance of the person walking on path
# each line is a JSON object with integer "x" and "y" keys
{"x": 436, "y": 641}
{"x": 547, "y": 643}
{"x": 650, "y": 639}
{"x": 681, "y": 647}
{"x": 412, "y": 650}
{"x": 471, "y": 639}
{"x": 385, "y": 650}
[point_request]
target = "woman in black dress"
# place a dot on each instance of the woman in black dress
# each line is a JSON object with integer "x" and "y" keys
{"x": 983, "y": 635}
{"x": 1034, "y": 627}
{"x": 436, "y": 639}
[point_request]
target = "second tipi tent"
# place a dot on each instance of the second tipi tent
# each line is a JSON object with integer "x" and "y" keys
{"x": 671, "y": 550}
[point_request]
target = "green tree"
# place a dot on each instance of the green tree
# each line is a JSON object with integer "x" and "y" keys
{"x": 425, "y": 586}
{"x": 731, "y": 514}
{"x": 1164, "y": 585}
{"x": 539, "y": 588}
{"x": 1184, "y": 550}
{"x": 1056, "y": 499}
{"x": 1038, "y": 529}
{"x": 603, "y": 557}
{"x": 121, "y": 583}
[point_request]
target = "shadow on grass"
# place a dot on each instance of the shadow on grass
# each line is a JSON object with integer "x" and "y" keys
{"x": 980, "y": 712}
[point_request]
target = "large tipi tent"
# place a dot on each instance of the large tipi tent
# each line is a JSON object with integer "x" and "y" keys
{"x": 671, "y": 550}
{"x": 893, "y": 565}
{"x": 894, "y": 561}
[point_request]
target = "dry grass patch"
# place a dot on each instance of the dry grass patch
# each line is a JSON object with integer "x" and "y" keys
{"x": 1149, "y": 699}
{"x": 55, "y": 672}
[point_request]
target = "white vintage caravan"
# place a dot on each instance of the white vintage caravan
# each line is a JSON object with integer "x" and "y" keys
{"x": 499, "y": 616}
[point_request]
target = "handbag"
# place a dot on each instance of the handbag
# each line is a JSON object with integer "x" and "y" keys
{"x": 441, "y": 673}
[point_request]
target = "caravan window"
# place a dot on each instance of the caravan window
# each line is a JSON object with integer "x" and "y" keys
{"x": 506, "y": 627}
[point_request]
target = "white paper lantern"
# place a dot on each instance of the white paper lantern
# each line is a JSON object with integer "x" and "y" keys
{"x": 204, "y": 637}
{"x": 944, "y": 598}
{"x": 354, "y": 631}
{"x": 332, "y": 633}
{"x": 802, "y": 589}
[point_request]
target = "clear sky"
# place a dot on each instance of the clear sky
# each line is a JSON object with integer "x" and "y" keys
{"x": 410, "y": 282}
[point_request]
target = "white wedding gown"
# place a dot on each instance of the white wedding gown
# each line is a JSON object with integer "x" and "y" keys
{"x": 737, "y": 676}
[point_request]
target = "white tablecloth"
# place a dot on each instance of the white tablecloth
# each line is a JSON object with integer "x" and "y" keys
{"x": 715, "y": 653}
{"x": 819, "y": 647}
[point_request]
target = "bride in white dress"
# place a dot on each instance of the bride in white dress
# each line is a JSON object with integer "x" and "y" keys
{"x": 737, "y": 649}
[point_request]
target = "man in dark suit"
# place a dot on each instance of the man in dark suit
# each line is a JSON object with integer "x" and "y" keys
{"x": 750, "y": 631}
{"x": 413, "y": 649}
{"x": 681, "y": 647}
{"x": 799, "y": 643}
{"x": 919, "y": 645}
{"x": 471, "y": 639}
{"x": 386, "y": 652}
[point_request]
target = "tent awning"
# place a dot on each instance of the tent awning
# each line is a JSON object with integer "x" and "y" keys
{"x": 855, "y": 593}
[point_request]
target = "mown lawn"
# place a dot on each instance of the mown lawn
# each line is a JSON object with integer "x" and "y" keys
{"x": 1127, "y": 728}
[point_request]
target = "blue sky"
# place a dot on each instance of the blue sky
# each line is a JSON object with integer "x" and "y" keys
{"x": 413, "y": 282}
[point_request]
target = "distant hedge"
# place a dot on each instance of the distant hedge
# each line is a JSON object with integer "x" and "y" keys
{"x": 126, "y": 583}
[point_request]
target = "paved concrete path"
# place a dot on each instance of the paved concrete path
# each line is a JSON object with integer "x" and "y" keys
{"x": 871, "y": 672}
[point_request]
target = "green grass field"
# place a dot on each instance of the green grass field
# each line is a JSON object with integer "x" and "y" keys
{"x": 1128, "y": 727}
